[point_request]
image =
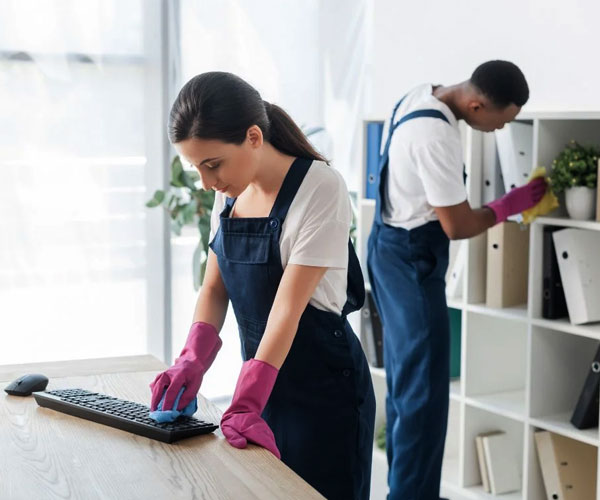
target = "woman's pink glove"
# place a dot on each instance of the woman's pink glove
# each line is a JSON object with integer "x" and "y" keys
{"x": 242, "y": 421}
{"x": 201, "y": 348}
{"x": 519, "y": 199}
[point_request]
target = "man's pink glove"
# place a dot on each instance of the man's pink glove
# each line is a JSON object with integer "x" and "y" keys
{"x": 519, "y": 199}
{"x": 201, "y": 348}
{"x": 242, "y": 421}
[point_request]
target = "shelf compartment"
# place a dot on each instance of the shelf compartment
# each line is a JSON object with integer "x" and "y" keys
{"x": 495, "y": 356}
{"x": 560, "y": 363}
{"x": 478, "y": 421}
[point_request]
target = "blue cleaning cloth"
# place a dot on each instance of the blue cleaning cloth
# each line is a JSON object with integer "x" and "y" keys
{"x": 170, "y": 415}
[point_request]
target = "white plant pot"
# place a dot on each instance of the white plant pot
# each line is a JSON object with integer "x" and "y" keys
{"x": 581, "y": 202}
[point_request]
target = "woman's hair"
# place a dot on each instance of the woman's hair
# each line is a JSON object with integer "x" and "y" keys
{"x": 222, "y": 106}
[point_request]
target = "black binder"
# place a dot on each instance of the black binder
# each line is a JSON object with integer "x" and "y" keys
{"x": 585, "y": 415}
{"x": 372, "y": 332}
{"x": 554, "y": 305}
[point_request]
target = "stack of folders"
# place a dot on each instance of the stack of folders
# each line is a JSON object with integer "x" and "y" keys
{"x": 568, "y": 467}
{"x": 507, "y": 265}
{"x": 585, "y": 415}
{"x": 498, "y": 463}
{"x": 372, "y": 332}
{"x": 577, "y": 252}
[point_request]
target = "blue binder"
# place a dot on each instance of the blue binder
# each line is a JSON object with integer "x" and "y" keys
{"x": 373, "y": 135}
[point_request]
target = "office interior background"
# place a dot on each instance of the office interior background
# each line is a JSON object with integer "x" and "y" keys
{"x": 87, "y": 270}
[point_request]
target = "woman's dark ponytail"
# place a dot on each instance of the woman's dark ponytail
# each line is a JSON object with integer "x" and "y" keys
{"x": 222, "y": 106}
{"x": 286, "y": 136}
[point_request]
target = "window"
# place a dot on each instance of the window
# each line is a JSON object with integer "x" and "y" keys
{"x": 74, "y": 268}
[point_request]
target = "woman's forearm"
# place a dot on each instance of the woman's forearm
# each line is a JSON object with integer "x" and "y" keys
{"x": 211, "y": 306}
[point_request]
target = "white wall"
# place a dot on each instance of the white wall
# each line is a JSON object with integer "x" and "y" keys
{"x": 555, "y": 43}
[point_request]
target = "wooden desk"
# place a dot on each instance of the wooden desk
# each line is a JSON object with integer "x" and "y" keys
{"x": 48, "y": 454}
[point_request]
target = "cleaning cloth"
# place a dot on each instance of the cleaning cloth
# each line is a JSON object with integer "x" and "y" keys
{"x": 170, "y": 415}
{"x": 548, "y": 203}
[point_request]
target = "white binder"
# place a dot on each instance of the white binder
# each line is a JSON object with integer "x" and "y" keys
{"x": 577, "y": 252}
{"x": 515, "y": 150}
{"x": 492, "y": 184}
{"x": 456, "y": 268}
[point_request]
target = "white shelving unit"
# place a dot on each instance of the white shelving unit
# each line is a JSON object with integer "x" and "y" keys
{"x": 519, "y": 372}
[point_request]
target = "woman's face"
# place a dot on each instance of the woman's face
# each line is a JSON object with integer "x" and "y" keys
{"x": 222, "y": 166}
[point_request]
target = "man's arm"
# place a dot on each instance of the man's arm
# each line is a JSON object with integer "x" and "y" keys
{"x": 461, "y": 221}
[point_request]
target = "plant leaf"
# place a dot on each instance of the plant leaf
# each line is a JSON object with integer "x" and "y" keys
{"x": 176, "y": 170}
{"x": 157, "y": 199}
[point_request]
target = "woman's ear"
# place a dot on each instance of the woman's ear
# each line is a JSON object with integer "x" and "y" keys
{"x": 254, "y": 136}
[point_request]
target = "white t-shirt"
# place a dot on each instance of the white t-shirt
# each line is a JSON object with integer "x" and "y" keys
{"x": 425, "y": 167}
{"x": 315, "y": 232}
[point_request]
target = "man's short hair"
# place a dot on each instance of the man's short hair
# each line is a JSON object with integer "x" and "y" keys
{"x": 502, "y": 82}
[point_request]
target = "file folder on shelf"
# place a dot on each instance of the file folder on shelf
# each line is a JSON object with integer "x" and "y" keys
{"x": 507, "y": 265}
{"x": 554, "y": 305}
{"x": 373, "y": 134}
{"x": 492, "y": 183}
{"x": 515, "y": 150}
{"x": 585, "y": 415}
{"x": 577, "y": 252}
{"x": 501, "y": 462}
{"x": 456, "y": 267}
{"x": 372, "y": 332}
{"x": 568, "y": 467}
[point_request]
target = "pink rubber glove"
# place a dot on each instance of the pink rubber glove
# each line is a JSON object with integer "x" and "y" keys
{"x": 519, "y": 199}
{"x": 201, "y": 348}
{"x": 242, "y": 421}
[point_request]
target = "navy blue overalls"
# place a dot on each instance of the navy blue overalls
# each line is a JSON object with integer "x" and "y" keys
{"x": 407, "y": 271}
{"x": 322, "y": 408}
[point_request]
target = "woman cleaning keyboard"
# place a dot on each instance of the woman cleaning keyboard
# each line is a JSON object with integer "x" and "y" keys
{"x": 280, "y": 253}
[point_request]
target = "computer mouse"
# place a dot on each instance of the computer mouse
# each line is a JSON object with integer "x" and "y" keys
{"x": 27, "y": 384}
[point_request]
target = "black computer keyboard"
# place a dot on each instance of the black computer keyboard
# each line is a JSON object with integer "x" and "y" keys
{"x": 124, "y": 415}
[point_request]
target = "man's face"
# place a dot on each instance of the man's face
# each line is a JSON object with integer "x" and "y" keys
{"x": 483, "y": 115}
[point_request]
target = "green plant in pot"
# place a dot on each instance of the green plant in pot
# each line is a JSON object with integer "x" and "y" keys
{"x": 575, "y": 171}
{"x": 188, "y": 204}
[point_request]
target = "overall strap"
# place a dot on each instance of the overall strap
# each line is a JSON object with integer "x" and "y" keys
{"x": 227, "y": 208}
{"x": 289, "y": 188}
{"x": 384, "y": 158}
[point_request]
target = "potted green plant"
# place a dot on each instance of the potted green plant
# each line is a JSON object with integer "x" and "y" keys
{"x": 188, "y": 204}
{"x": 574, "y": 171}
